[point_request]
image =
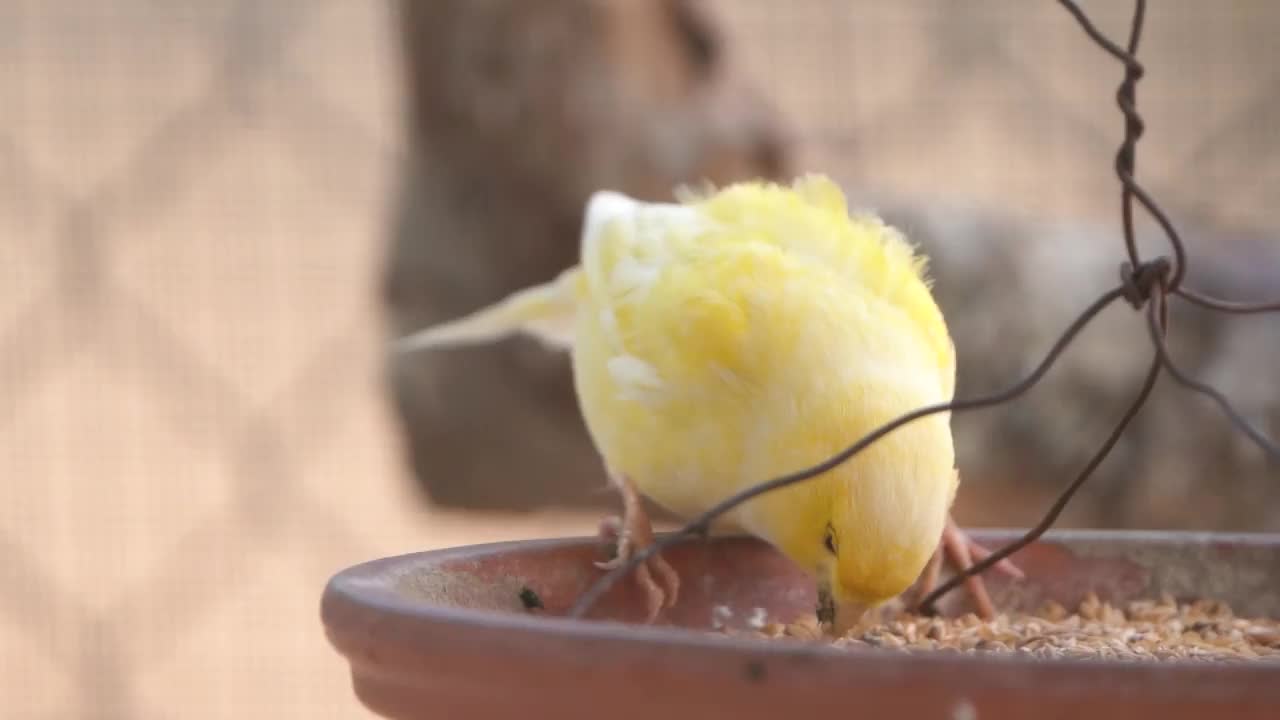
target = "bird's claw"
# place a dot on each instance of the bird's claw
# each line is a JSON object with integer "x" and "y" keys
{"x": 611, "y": 531}
{"x": 963, "y": 552}
{"x": 978, "y": 553}
{"x": 632, "y": 533}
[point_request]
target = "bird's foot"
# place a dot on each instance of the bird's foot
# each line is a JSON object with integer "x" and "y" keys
{"x": 963, "y": 551}
{"x": 632, "y": 533}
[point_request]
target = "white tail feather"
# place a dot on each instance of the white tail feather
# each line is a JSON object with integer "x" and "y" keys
{"x": 546, "y": 312}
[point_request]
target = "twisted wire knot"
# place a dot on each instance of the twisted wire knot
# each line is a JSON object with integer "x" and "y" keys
{"x": 1139, "y": 284}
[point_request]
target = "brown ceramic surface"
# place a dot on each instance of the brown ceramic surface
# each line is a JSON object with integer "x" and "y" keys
{"x": 444, "y": 635}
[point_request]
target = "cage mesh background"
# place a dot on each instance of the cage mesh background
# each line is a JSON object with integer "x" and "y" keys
{"x": 193, "y": 202}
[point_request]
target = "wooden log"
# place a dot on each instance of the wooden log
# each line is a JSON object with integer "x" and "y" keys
{"x": 517, "y": 111}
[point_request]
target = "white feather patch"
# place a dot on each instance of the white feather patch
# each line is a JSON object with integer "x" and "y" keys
{"x": 604, "y": 207}
{"x": 635, "y": 378}
{"x": 631, "y": 276}
{"x": 642, "y": 231}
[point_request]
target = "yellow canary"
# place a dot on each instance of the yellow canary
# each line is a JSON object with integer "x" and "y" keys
{"x": 744, "y": 333}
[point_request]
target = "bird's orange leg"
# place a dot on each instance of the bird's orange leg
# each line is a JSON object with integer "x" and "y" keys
{"x": 963, "y": 551}
{"x": 633, "y": 532}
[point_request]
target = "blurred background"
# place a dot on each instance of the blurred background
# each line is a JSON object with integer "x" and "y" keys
{"x": 213, "y": 214}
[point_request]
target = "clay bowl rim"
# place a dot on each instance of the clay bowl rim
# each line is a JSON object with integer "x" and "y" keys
{"x": 368, "y": 589}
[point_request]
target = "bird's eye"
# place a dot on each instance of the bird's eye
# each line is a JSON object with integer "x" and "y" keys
{"x": 830, "y": 540}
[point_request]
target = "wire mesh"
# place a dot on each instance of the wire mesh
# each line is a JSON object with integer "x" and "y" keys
{"x": 191, "y": 196}
{"x": 1145, "y": 285}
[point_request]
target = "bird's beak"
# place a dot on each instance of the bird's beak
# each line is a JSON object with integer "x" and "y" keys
{"x": 842, "y": 616}
{"x": 826, "y": 604}
{"x": 848, "y": 616}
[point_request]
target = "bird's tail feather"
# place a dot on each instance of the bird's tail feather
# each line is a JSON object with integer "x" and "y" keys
{"x": 546, "y": 312}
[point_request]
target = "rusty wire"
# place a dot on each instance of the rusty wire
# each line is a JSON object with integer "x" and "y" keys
{"x": 1144, "y": 285}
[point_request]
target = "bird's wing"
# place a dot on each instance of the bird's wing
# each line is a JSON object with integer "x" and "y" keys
{"x": 628, "y": 249}
{"x": 700, "y": 289}
{"x": 811, "y": 220}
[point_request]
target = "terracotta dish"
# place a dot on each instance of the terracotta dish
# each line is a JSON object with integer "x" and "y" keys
{"x": 458, "y": 634}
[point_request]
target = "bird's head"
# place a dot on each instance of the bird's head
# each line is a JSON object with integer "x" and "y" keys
{"x": 862, "y": 568}
{"x": 869, "y": 527}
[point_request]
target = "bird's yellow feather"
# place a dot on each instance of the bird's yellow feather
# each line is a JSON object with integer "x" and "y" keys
{"x": 757, "y": 331}
{"x": 750, "y": 332}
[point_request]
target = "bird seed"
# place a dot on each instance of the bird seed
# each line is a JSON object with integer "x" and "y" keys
{"x": 1161, "y": 629}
